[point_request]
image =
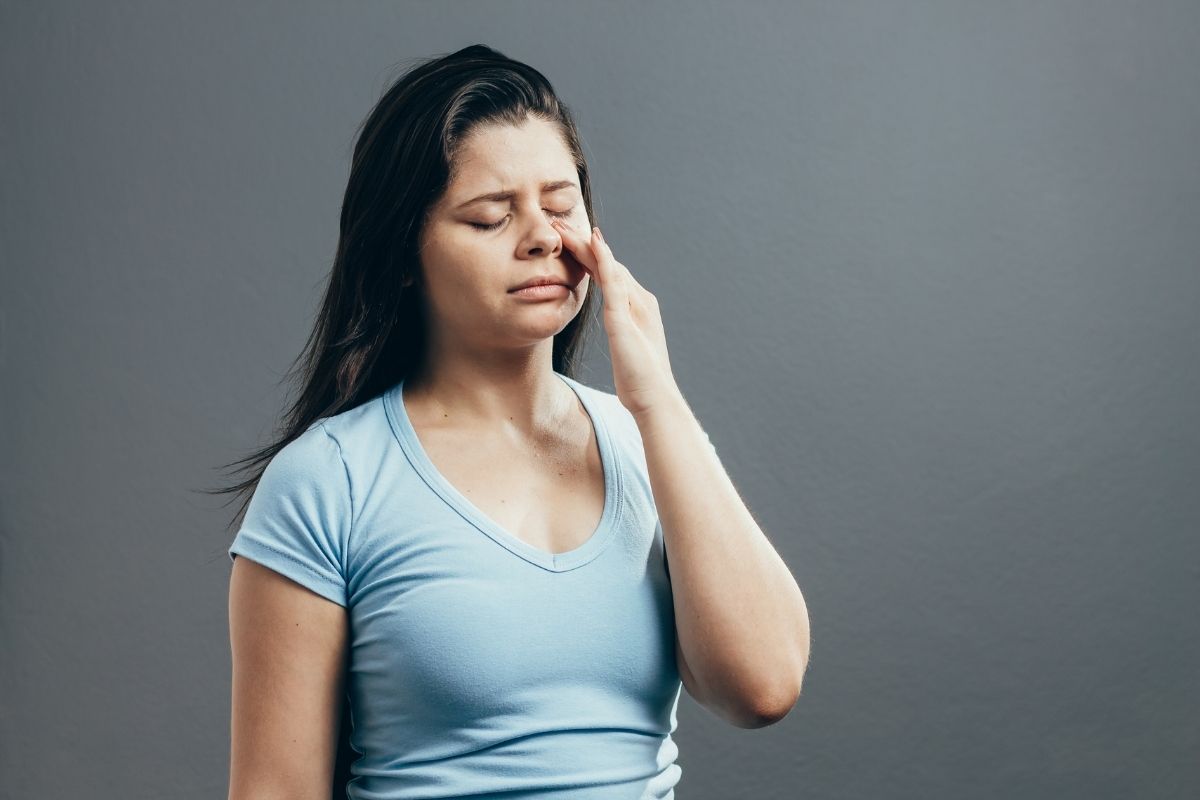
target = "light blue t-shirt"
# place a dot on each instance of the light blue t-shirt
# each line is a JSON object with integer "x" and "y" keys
{"x": 479, "y": 663}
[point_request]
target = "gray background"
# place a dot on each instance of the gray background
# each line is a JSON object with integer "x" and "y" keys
{"x": 929, "y": 277}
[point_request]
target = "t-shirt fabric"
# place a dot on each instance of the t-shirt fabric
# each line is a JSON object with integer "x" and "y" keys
{"x": 479, "y": 664}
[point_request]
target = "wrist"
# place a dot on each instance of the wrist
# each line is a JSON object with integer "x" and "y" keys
{"x": 668, "y": 405}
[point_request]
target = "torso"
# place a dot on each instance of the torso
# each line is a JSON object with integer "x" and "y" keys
{"x": 549, "y": 494}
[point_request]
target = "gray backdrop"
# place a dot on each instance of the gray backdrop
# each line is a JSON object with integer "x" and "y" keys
{"x": 929, "y": 276}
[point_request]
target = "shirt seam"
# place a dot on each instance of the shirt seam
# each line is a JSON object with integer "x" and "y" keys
{"x": 345, "y": 558}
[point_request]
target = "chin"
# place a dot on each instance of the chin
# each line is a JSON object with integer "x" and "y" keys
{"x": 545, "y": 322}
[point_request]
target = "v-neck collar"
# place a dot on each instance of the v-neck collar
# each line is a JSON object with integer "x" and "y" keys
{"x": 406, "y": 435}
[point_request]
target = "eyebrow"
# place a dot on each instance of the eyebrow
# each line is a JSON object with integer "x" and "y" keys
{"x": 548, "y": 186}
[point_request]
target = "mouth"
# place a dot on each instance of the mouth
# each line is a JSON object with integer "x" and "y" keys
{"x": 536, "y": 285}
{"x": 543, "y": 291}
{"x": 543, "y": 281}
{"x": 576, "y": 274}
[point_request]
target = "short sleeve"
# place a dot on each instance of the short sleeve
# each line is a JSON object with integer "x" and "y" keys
{"x": 298, "y": 520}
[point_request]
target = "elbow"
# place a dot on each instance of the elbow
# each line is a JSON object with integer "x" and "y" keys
{"x": 768, "y": 706}
{"x": 765, "y": 708}
{"x": 776, "y": 710}
{"x": 766, "y": 700}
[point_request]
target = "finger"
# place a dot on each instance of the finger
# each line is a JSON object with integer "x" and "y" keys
{"x": 578, "y": 247}
{"x": 615, "y": 278}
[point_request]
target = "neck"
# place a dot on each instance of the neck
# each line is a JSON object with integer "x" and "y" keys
{"x": 491, "y": 390}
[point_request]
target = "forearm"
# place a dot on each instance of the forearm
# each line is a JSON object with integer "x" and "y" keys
{"x": 740, "y": 617}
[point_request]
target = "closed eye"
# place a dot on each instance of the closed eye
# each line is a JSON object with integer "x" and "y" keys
{"x": 483, "y": 226}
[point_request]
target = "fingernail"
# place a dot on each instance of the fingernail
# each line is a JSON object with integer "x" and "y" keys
{"x": 599, "y": 235}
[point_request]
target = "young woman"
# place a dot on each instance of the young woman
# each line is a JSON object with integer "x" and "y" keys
{"x": 458, "y": 538}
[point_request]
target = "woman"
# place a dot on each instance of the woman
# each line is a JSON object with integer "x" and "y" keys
{"x": 455, "y": 535}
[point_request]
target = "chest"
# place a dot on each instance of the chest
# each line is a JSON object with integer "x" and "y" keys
{"x": 550, "y": 495}
{"x": 456, "y": 637}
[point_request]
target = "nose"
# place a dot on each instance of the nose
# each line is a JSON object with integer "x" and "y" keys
{"x": 543, "y": 239}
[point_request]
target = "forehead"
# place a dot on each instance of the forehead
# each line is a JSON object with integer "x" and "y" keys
{"x": 497, "y": 158}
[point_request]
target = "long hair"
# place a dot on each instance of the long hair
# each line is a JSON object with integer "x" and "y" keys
{"x": 370, "y": 330}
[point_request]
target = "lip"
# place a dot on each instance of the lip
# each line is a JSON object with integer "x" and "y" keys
{"x": 541, "y": 280}
{"x": 543, "y": 291}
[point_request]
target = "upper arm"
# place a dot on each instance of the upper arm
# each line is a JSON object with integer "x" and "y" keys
{"x": 685, "y": 675}
{"x": 289, "y": 663}
{"x": 289, "y": 624}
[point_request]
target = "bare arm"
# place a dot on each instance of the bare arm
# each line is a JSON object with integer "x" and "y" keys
{"x": 742, "y": 625}
{"x": 289, "y": 647}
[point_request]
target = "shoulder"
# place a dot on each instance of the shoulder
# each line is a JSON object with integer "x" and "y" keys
{"x": 311, "y": 455}
{"x": 357, "y": 432}
{"x": 605, "y": 403}
{"x": 615, "y": 417}
{"x": 620, "y": 420}
{"x": 316, "y": 465}
{"x": 299, "y": 518}
{"x": 307, "y": 477}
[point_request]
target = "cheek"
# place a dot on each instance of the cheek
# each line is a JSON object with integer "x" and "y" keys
{"x": 458, "y": 265}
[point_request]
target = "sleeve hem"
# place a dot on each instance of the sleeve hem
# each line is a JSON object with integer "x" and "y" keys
{"x": 291, "y": 568}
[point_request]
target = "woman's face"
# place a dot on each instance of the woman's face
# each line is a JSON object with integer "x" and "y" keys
{"x": 474, "y": 252}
